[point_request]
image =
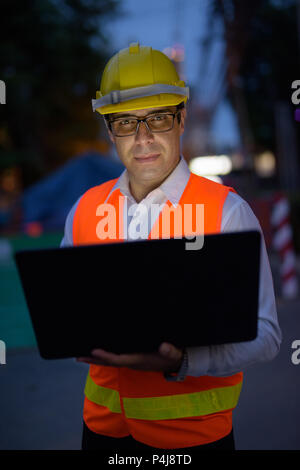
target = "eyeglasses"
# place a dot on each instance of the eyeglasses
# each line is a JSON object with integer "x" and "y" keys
{"x": 160, "y": 122}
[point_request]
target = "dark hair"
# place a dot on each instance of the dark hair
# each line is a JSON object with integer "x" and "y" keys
{"x": 181, "y": 105}
{"x": 178, "y": 107}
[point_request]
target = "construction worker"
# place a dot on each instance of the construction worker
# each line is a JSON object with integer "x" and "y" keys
{"x": 172, "y": 398}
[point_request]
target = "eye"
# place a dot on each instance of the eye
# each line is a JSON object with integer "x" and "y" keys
{"x": 158, "y": 117}
{"x": 125, "y": 122}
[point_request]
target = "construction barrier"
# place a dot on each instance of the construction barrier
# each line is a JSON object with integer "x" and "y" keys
{"x": 282, "y": 243}
{"x": 273, "y": 213}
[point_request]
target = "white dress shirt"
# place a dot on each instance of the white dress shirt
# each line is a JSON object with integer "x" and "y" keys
{"x": 225, "y": 359}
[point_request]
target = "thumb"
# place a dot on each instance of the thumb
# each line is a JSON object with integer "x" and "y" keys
{"x": 169, "y": 351}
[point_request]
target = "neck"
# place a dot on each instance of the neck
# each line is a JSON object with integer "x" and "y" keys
{"x": 140, "y": 189}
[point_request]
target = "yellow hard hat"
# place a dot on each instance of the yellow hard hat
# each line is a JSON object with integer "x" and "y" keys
{"x": 139, "y": 77}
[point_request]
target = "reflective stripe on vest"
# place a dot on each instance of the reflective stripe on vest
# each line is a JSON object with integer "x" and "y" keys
{"x": 102, "y": 395}
{"x": 166, "y": 407}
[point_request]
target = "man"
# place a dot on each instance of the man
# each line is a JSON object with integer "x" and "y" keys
{"x": 170, "y": 399}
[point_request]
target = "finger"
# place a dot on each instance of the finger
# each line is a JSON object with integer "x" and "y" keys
{"x": 105, "y": 355}
{"x": 94, "y": 360}
{"x": 118, "y": 360}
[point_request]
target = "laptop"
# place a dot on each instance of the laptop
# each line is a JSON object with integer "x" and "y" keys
{"x": 131, "y": 296}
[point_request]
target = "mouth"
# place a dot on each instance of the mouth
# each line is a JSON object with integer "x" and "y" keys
{"x": 147, "y": 158}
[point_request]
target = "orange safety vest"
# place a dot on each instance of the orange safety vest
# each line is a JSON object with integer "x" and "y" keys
{"x": 122, "y": 401}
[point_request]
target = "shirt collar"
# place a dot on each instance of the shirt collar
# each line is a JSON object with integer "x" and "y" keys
{"x": 172, "y": 187}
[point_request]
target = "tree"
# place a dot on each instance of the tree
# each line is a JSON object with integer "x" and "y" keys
{"x": 52, "y": 54}
{"x": 263, "y": 60}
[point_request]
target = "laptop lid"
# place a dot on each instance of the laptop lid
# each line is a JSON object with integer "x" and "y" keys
{"x": 131, "y": 296}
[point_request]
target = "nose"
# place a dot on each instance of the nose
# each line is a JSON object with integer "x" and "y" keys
{"x": 143, "y": 133}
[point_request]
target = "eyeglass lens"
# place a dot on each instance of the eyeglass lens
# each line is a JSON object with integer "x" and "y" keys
{"x": 156, "y": 123}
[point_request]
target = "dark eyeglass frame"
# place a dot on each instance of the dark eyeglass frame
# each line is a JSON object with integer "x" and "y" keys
{"x": 146, "y": 123}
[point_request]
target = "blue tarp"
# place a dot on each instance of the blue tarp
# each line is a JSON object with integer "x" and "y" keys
{"x": 49, "y": 201}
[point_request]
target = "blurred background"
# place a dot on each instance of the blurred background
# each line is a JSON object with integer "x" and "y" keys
{"x": 241, "y": 61}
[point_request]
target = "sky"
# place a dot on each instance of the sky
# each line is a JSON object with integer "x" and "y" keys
{"x": 161, "y": 24}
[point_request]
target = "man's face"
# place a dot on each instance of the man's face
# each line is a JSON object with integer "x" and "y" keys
{"x": 148, "y": 156}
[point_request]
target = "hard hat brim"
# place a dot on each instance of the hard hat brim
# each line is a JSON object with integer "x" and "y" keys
{"x": 146, "y": 102}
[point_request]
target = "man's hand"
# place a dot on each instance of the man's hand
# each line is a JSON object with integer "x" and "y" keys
{"x": 167, "y": 359}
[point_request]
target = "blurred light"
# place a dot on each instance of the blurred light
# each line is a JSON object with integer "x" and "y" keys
{"x": 214, "y": 165}
{"x": 175, "y": 52}
{"x": 179, "y": 53}
{"x": 216, "y": 179}
{"x": 238, "y": 160}
{"x": 34, "y": 229}
{"x": 265, "y": 164}
{"x": 9, "y": 182}
{"x": 168, "y": 52}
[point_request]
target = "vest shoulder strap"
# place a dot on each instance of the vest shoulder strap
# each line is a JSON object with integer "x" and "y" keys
{"x": 204, "y": 191}
{"x": 97, "y": 194}
{"x": 203, "y": 188}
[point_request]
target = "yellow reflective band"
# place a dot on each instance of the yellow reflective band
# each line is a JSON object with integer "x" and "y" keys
{"x": 183, "y": 406}
{"x": 102, "y": 395}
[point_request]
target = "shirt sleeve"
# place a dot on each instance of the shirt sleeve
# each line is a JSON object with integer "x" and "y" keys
{"x": 68, "y": 233}
{"x": 228, "y": 359}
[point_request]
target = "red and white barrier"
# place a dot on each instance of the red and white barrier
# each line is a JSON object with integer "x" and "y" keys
{"x": 283, "y": 244}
